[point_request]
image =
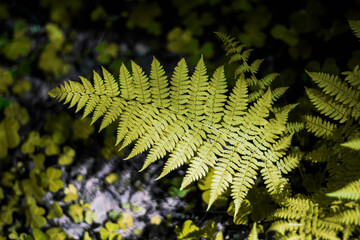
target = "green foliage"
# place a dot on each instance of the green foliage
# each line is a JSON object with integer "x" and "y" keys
{"x": 190, "y": 231}
{"x": 109, "y": 231}
{"x": 211, "y": 131}
{"x": 9, "y": 136}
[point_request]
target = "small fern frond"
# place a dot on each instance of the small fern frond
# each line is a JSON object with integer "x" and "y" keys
{"x": 303, "y": 218}
{"x": 353, "y": 77}
{"x": 318, "y": 126}
{"x": 353, "y": 144}
{"x": 355, "y": 26}
{"x": 350, "y": 191}
{"x": 348, "y": 217}
{"x": 253, "y": 235}
{"x": 333, "y": 86}
{"x": 327, "y": 106}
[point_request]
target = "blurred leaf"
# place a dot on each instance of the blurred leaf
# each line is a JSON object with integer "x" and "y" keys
{"x": 55, "y": 211}
{"x": 34, "y": 216}
{"x": 21, "y": 87}
{"x": 56, "y": 234}
{"x": 5, "y": 80}
{"x": 143, "y": 16}
{"x": 90, "y": 216}
{"x": 111, "y": 178}
{"x": 55, "y": 35}
{"x": 282, "y": 33}
{"x": 67, "y": 157}
{"x": 156, "y": 220}
{"x": 6, "y": 214}
{"x": 33, "y": 140}
{"x": 9, "y": 137}
{"x": 82, "y": 128}
{"x": 71, "y": 193}
{"x": 108, "y": 231}
{"x": 53, "y": 176}
{"x": 51, "y": 148}
{"x": 76, "y": 213}
{"x": 40, "y": 235}
{"x": 114, "y": 214}
{"x": 244, "y": 211}
{"x": 125, "y": 220}
{"x": 18, "y": 113}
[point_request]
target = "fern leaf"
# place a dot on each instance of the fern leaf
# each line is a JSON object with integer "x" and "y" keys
{"x": 159, "y": 85}
{"x": 180, "y": 84}
{"x": 243, "y": 180}
{"x": 350, "y": 216}
{"x": 216, "y": 98}
{"x": 126, "y": 83}
{"x": 353, "y": 144}
{"x": 355, "y": 26}
{"x": 288, "y": 163}
{"x": 350, "y": 191}
{"x": 294, "y": 127}
{"x": 192, "y": 121}
{"x": 141, "y": 84}
{"x": 99, "y": 85}
{"x": 274, "y": 182}
{"x": 353, "y": 77}
{"x": 333, "y": 86}
{"x": 113, "y": 112}
{"x": 111, "y": 86}
{"x": 327, "y": 106}
{"x": 253, "y": 235}
{"x": 197, "y": 94}
{"x": 318, "y": 126}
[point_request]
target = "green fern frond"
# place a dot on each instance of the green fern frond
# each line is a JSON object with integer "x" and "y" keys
{"x": 348, "y": 217}
{"x": 318, "y": 126}
{"x": 192, "y": 121}
{"x": 333, "y": 86}
{"x": 327, "y": 106}
{"x": 355, "y": 26}
{"x": 350, "y": 191}
{"x": 353, "y": 77}
{"x": 253, "y": 235}
{"x": 303, "y": 218}
{"x": 288, "y": 163}
{"x": 353, "y": 144}
{"x": 294, "y": 127}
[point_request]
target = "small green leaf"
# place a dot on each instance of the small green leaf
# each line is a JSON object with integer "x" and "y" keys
{"x": 90, "y": 216}
{"x": 39, "y": 160}
{"x": 56, "y": 234}
{"x": 53, "y": 175}
{"x": 111, "y": 178}
{"x": 125, "y": 220}
{"x": 55, "y": 211}
{"x": 67, "y": 157}
{"x": 40, "y": 235}
{"x": 71, "y": 193}
{"x": 76, "y": 212}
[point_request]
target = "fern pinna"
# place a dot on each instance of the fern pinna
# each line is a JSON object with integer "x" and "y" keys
{"x": 192, "y": 119}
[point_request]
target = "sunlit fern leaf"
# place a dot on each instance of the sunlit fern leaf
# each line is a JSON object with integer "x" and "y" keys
{"x": 285, "y": 165}
{"x": 353, "y": 77}
{"x": 355, "y": 26}
{"x": 350, "y": 191}
{"x": 294, "y": 127}
{"x": 333, "y": 86}
{"x": 318, "y": 126}
{"x": 327, "y": 106}
{"x": 192, "y": 121}
{"x": 304, "y": 219}
{"x": 348, "y": 217}
{"x": 253, "y": 235}
{"x": 353, "y": 144}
